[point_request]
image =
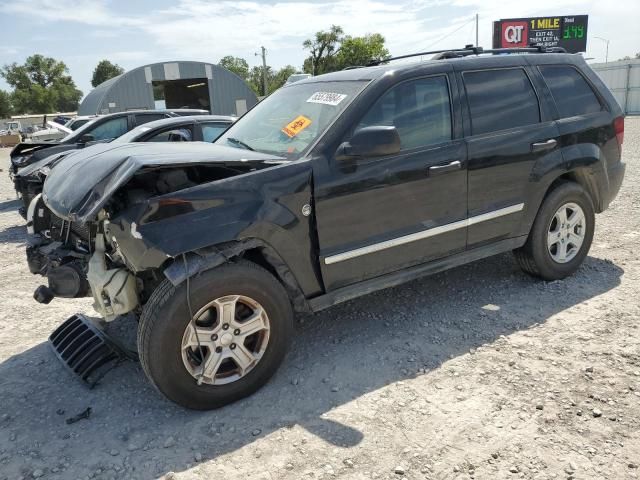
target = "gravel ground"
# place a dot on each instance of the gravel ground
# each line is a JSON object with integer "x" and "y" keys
{"x": 478, "y": 372}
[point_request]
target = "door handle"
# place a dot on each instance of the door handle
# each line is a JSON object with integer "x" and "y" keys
{"x": 541, "y": 146}
{"x": 449, "y": 167}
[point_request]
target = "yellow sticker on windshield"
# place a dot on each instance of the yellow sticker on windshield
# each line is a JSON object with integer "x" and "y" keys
{"x": 295, "y": 127}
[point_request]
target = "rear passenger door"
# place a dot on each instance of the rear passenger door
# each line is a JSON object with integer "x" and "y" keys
{"x": 583, "y": 119}
{"x": 507, "y": 132}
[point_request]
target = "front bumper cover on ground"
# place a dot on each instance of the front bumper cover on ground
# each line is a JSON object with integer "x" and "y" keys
{"x": 87, "y": 350}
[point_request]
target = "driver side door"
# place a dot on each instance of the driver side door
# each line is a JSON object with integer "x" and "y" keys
{"x": 382, "y": 214}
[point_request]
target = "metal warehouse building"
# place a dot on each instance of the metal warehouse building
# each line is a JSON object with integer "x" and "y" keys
{"x": 172, "y": 85}
{"x": 623, "y": 79}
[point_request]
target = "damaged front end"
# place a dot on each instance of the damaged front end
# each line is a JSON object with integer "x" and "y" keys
{"x": 108, "y": 227}
{"x": 58, "y": 250}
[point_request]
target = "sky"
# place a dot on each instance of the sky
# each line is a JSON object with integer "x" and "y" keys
{"x": 138, "y": 32}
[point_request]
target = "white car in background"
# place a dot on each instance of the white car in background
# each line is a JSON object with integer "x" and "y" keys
{"x": 76, "y": 122}
{"x": 296, "y": 77}
{"x": 54, "y": 132}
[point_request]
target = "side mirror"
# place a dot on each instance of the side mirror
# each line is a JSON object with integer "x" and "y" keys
{"x": 86, "y": 138}
{"x": 374, "y": 141}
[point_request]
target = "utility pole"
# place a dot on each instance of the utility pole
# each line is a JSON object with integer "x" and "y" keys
{"x": 477, "y": 30}
{"x": 265, "y": 91}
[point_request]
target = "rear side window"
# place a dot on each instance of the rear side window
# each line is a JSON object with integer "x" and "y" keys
{"x": 571, "y": 92}
{"x": 419, "y": 109}
{"x": 149, "y": 117}
{"x": 500, "y": 99}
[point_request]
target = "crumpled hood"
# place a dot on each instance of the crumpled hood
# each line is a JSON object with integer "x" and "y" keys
{"x": 43, "y": 165}
{"x": 25, "y": 153}
{"x": 80, "y": 184}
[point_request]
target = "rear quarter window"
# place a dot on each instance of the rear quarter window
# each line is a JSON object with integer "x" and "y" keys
{"x": 571, "y": 92}
{"x": 500, "y": 99}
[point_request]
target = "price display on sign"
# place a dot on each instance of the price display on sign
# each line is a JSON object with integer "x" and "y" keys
{"x": 568, "y": 32}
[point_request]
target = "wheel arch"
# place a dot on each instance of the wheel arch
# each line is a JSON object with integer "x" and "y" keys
{"x": 253, "y": 250}
{"x": 582, "y": 175}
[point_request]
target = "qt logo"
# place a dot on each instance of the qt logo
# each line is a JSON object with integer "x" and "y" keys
{"x": 515, "y": 34}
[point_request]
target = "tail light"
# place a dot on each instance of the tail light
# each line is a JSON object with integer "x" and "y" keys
{"x": 618, "y": 127}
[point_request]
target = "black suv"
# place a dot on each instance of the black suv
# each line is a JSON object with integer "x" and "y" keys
{"x": 103, "y": 128}
{"x": 331, "y": 188}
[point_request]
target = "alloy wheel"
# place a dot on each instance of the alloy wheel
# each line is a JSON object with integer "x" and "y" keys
{"x": 226, "y": 340}
{"x": 566, "y": 232}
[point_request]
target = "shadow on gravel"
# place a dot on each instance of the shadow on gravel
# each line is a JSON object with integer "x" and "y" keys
{"x": 9, "y": 205}
{"x": 14, "y": 234}
{"x": 339, "y": 355}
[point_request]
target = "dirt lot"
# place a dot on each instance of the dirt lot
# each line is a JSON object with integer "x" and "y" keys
{"x": 479, "y": 372}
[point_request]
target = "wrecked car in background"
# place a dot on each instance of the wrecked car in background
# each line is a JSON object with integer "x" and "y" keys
{"x": 100, "y": 129}
{"x": 330, "y": 188}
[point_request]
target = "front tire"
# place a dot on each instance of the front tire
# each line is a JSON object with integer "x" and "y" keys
{"x": 243, "y": 327}
{"x": 561, "y": 234}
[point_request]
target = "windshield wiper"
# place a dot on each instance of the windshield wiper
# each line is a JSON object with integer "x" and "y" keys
{"x": 235, "y": 141}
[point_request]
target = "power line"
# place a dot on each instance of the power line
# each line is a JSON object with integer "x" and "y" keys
{"x": 473, "y": 19}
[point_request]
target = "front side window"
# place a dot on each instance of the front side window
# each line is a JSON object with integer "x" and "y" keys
{"x": 211, "y": 131}
{"x": 419, "y": 109}
{"x": 570, "y": 90}
{"x": 110, "y": 129}
{"x": 500, "y": 99}
{"x": 290, "y": 120}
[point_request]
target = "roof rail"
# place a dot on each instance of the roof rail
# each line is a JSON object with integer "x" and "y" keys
{"x": 471, "y": 50}
{"x": 467, "y": 48}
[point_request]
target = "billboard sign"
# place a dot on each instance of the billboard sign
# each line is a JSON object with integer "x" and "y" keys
{"x": 568, "y": 32}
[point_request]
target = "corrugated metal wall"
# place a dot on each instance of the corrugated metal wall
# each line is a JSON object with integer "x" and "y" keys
{"x": 134, "y": 89}
{"x": 623, "y": 79}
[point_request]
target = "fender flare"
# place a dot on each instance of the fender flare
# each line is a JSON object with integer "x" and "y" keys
{"x": 211, "y": 257}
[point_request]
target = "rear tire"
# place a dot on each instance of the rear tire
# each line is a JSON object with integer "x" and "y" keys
{"x": 555, "y": 248}
{"x": 165, "y": 331}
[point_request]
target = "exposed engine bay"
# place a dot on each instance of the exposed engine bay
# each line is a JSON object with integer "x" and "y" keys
{"x": 81, "y": 259}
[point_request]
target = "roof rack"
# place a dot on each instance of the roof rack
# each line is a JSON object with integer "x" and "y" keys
{"x": 471, "y": 50}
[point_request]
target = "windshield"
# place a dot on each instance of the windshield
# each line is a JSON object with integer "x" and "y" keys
{"x": 287, "y": 122}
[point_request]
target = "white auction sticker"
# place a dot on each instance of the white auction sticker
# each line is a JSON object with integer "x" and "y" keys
{"x": 327, "y": 98}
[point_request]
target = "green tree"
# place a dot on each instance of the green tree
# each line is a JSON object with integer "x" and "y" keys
{"x": 323, "y": 49}
{"x": 359, "y": 51}
{"x": 237, "y": 65}
{"x": 277, "y": 79}
{"x": 255, "y": 79}
{"x": 104, "y": 71}
{"x": 331, "y": 50}
{"x": 5, "y": 104}
{"x": 41, "y": 85}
